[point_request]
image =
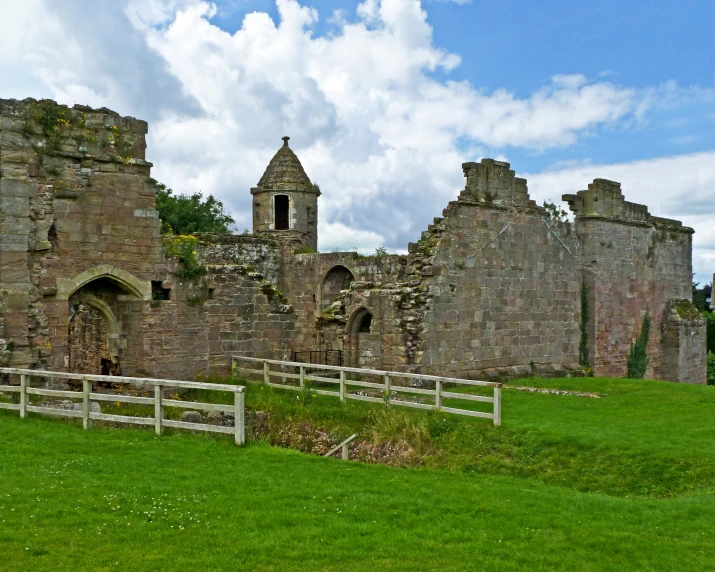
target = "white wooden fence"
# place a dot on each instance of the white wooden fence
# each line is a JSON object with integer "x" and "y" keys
{"x": 158, "y": 400}
{"x": 387, "y": 387}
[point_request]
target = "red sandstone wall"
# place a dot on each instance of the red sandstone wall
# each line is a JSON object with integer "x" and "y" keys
{"x": 75, "y": 182}
{"x": 505, "y": 294}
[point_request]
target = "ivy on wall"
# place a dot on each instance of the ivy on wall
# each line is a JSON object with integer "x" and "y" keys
{"x": 583, "y": 358}
{"x": 638, "y": 356}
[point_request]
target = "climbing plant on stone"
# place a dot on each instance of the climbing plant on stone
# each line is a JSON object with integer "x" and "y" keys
{"x": 583, "y": 340}
{"x": 638, "y": 356}
{"x": 184, "y": 248}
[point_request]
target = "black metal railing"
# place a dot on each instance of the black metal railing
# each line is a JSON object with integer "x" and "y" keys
{"x": 319, "y": 357}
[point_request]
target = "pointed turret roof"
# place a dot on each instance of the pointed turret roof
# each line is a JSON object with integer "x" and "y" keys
{"x": 285, "y": 173}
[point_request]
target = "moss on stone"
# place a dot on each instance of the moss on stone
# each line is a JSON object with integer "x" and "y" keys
{"x": 686, "y": 310}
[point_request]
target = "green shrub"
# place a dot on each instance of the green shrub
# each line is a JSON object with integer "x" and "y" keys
{"x": 638, "y": 356}
{"x": 184, "y": 247}
{"x": 711, "y": 368}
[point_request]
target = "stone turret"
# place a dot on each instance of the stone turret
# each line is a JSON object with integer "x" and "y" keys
{"x": 285, "y": 202}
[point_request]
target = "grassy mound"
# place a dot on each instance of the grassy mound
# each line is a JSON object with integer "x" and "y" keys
{"x": 640, "y": 438}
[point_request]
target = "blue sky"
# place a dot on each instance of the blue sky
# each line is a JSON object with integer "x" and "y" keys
{"x": 383, "y": 99}
{"x": 518, "y": 45}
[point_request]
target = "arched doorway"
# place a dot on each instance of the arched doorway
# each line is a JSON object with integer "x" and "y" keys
{"x": 96, "y": 340}
{"x": 336, "y": 279}
{"x": 363, "y": 340}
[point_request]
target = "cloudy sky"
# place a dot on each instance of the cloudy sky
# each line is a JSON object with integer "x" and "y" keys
{"x": 384, "y": 99}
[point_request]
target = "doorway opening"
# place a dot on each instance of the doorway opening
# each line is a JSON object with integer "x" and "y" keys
{"x": 281, "y": 212}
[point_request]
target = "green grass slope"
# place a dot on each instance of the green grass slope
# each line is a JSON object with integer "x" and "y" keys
{"x": 125, "y": 499}
{"x": 641, "y": 438}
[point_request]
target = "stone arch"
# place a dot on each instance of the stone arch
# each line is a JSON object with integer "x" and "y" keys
{"x": 95, "y": 334}
{"x": 96, "y": 299}
{"x": 363, "y": 343}
{"x": 125, "y": 280}
{"x": 337, "y": 278}
{"x": 114, "y": 326}
{"x": 360, "y": 322}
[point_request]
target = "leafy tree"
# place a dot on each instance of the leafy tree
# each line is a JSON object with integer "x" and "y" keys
{"x": 699, "y": 297}
{"x": 555, "y": 212}
{"x": 710, "y": 320}
{"x": 186, "y": 214}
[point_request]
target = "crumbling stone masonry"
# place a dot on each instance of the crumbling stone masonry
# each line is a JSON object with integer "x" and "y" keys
{"x": 493, "y": 288}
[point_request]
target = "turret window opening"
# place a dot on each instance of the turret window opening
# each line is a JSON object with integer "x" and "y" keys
{"x": 281, "y": 212}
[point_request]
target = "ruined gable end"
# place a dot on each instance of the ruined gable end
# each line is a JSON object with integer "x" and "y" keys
{"x": 494, "y": 183}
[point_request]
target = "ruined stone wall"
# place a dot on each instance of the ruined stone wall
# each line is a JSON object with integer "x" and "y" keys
{"x": 683, "y": 345}
{"x": 74, "y": 196}
{"x": 504, "y": 283}
{"x": 635, "y": 263}
{"x": 303, "y": 282}
{"x": 233, "y": 308}
{"x": 257, "y": 254}
{"x": 79, "y": 237}
{"x": 492, "y": 288}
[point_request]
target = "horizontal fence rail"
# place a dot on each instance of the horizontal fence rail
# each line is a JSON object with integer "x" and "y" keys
{"x": 158, "y": 385}
{"x": 302, "y": 373}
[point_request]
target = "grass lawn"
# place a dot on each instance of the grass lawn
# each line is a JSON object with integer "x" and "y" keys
{"x": 514, "y": 498}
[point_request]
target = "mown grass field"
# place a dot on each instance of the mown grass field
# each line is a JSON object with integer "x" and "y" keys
{"x": 625, "y": 482}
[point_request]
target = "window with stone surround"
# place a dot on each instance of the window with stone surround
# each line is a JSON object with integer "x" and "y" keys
{"x": 337, "y": 278}
{"x": 280, "y": 212}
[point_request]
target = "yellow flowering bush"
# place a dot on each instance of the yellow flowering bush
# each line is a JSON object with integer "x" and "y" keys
{"x": 185, "y": 248}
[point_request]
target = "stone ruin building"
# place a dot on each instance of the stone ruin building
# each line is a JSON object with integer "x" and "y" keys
{"x": 494, "y": 288}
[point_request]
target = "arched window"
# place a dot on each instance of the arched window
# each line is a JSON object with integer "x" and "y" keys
{"x": 281, "y": 212}
{"x": 337, "y": 278}
{"x": 363, "y": 343}
{"x": 361, "y": 322}
{"x": 365, "y": 322}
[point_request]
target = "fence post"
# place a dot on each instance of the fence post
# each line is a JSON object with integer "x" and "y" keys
{"x": 23, "y": 396}
{"x": 438, "y": 395}
{"x": 302, "y": 377}
{"x": 86, "y": 389}
{"x": 387, "y": 388}
{"x": 158, "y": 409}
{"x": 497, "y": 405}
{"x": 344, "y": 454}
{"x": 266, "y": 373}
{"x": 342, "y": 386}
{"x": 239, "y": 420}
